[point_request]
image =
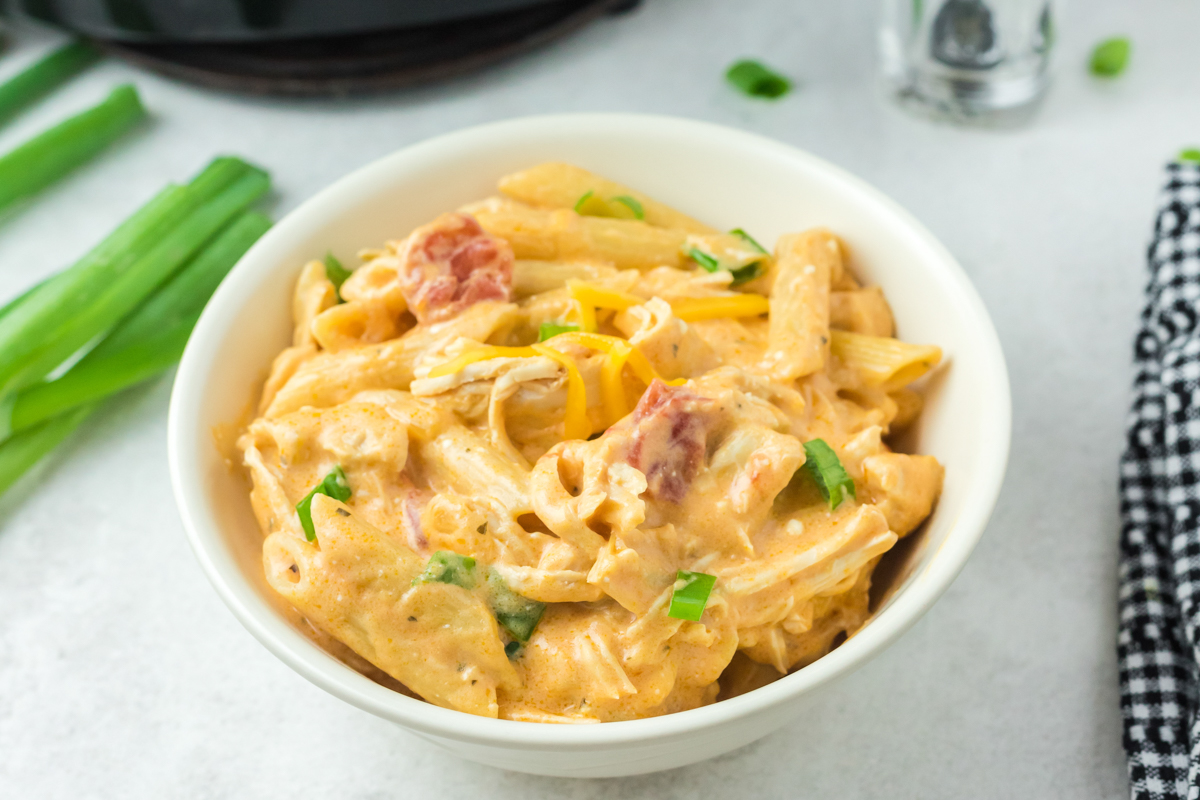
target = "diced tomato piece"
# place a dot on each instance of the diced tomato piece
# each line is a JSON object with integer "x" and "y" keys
{"x": 452, "y": 263}
{"x": 669, "y": 439}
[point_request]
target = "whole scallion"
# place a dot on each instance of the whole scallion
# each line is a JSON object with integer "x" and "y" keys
{"x": 150, "y": 340}
{"x": 88, "y": 299}
{"x": 21, "y": 452}
{"x": 51, "y": 154}
{"x": 17, "y": 301}
{"x": 43, "y": 77}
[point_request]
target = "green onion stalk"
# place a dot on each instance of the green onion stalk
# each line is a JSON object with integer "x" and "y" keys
{"x": 27, "y": 87}
{"x": 87, "y": 300}
{"x": 149, "y": 341}
{"x": 123, "y": 312}
{"x": 21, "y": 452}
{"x": 51, "y": 154}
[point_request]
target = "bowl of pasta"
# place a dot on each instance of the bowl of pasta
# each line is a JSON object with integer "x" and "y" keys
{"x": 589, "y": 445}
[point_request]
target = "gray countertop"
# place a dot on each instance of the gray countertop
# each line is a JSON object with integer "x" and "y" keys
{"x": 122, "y": 674}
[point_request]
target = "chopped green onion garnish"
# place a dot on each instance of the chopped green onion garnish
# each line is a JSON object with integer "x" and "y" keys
{"x": 827, "y": 470}
{"x": 632, "y": 204}
{"x": 446, "y": 566}
{"x": 747, "y": 273}
{"x": 584, "y": 202}
{"x": 512, "y": 649}
{"x": 336, "y": 273}
{"x": 516, "y": 614}
{"x": 620, "y": 207}
{"x": 548, "y": 330}
{"x": 758, "y": 81}
{"x": 53, "y": 153}
{"x": 1110, "y": 57}
{"x": 24, "y": 88}
{"x": 690, "y": 595}
{"x": 748, "y": 239}
{"x": 1191, "y": 154}
{"x": 333, "y": 485}
{"x": 710, "y": 263}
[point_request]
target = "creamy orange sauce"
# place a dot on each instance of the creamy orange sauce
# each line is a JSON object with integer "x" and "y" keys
{"x": 583, "y": 473}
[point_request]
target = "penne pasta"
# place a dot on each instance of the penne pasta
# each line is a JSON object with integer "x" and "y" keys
{"x": 562, "y": 235}
{"x": 798, "y": 340}
{"x": 331, "y": 378}
{"x": 314, "y": 293}
{"x": 536, "y": 277}
{"x": 355, "y": 323}
{"x": 864, "y": 311}
{"x": 556, "y": 185}
{"x": 882, "y": 361}
{"x": 563, "y": 457}
{"x": 359, "y": 586}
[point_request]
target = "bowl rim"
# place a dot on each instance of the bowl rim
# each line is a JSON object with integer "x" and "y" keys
{"x": 267, "y": 625}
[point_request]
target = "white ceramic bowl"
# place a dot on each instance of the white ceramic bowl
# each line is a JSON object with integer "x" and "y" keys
{"x": 725, "y": 177}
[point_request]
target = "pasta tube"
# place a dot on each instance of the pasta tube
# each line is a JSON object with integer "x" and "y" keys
{"x": 331, "y": 378}
{"x": 862, "y": 311}
{"x": 314, "y": 293}
{"x": 556, "y": 185}
{"x": 798, "y": 337}
{"x": 460, "y": 460}
{"x": 883, "y": 361}
{"x": 535, "y": 277}
{"x": 439, "y": 640}
{"x": 562, "y": 235}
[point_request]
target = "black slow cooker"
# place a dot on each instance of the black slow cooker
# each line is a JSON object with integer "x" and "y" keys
{"x": 307, "y": 47}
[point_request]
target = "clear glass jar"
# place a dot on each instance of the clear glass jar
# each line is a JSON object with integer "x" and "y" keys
{"x": 985, "y": 60}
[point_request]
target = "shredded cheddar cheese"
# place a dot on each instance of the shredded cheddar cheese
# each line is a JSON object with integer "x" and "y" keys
{"x": 739, "y": 305}
{"x": 612, "y": 387}
{"x": 588, "y": 298}
{"x": 599, "y": 297}
{"x": 619, "y": 354}
{"x": 575, "y": 418}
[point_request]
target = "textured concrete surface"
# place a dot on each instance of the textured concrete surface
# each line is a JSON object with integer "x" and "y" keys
{"x": 122, "y": 675}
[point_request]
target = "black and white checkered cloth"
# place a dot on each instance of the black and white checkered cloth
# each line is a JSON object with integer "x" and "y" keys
{"x": 1158, "y": 644}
